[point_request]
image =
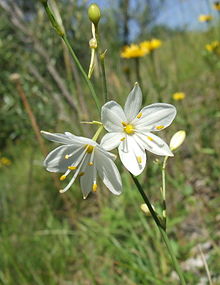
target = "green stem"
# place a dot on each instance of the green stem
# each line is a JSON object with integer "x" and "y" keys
{"x": 62, "y": 34}
{"x": 104, "y": 81}
{"x": 162, "y": 230}
{"x": 75, "y": 58}
{"x": 153, "y": 213}
{"x": 98, "y": 132}
{"x": 137, "y": 70}
{"x": 164, "y": 190}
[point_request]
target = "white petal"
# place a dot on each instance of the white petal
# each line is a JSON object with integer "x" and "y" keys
{"x": 154, "y": 144}
{"x": 56, "y": 137}
{"x": 112, "y": 116}
{"x": 83, "y": 163}
{"x": 111, "y": 140}
{"x": 110, "y": 155}
{"x": 108, "y": 172}
{"x": 87, "y": 180}
{"x": 133, "y": 103}
{"x": 133, "y": 156}
{"x": 155, "y": 117}
{"x": 55, "y": 160}
{"x": 80, "y": 140}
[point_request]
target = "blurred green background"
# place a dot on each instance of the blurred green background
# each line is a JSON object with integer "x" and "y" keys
{"x": 49, "y": 238}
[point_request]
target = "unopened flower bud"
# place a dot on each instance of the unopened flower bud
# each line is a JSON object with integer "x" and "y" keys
{"x": 14, "y": 77}
{"x": 145, "y": 209}
{"x": 94, "y": 14}
{"x": 93, "y": 43}
{"x": 102, "y": 55}
{"x": 177, "y": 139}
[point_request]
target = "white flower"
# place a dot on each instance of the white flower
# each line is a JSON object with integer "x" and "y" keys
{"x": 130, "y": 129}
{"x": 84, "y": 158}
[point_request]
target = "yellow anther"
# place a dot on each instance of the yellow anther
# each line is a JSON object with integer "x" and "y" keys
{"x": 139, "y": 115}
{"x": 66, "y": 156}
{"x": 63, "y": 177}
{"x": 90, "y": 163}
{"x": 122, "y": 139}
{"x": 150, "y": 138}
{"x": 94, "y": 187}
{"x": 159, "y": 127}
{"x": 124, "y": 124}
{"x": 129, "y": 129}
{"x": 139, "y": 159}
{"x": 89, "y": 148}
{"x": 81, "y": 174}
{"x": 72, "y": 167}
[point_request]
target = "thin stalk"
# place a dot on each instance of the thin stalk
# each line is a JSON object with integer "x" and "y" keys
{"x": 104, "y": 81}
{"x": 162, "y": 230}
{"x": 75, "y": 58}
{"x": 164, "y": 190}
{"x": 61, "y": 32}
{"x": 98, "y": 132}
{"x": 101, "y": 57}
{"x": 137, "y": 70}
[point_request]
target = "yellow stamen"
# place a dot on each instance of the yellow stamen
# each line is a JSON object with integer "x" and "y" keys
{"x": 94, "y": 187}
{"x": 124, "y": 124}
{"x": 159, "y": 127}
{"x": 63, "y": 177}
{"x": 122, "y": 139}
{"x": 150, "y": 138}
{"x": 89, "y": 148}
{"x": 72, "y": 167}
{"x": 129, "y": 129}
{"x": 139, "y": 115}
{"x": 81, "y": 174}
{"x": 139, "y": 159}
{"x": 90, "y": 163}
{"x": 66, "y": 156}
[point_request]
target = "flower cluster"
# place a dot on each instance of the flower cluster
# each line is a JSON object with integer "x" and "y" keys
{"x": 205, "y": 18}
{"x": 4, "y": 161}
{"x": 133, "y": 51}
{"x": 151, "y": 45}
{"x": 129, "y": 129}
{"x": 178, "y": 96}
{"x": 213, "y": 47}
{"x": 216, "y": 6}
{"x": 140, "y": 50}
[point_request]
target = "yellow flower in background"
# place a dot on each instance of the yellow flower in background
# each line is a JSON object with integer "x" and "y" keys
{"x": 216, "y": 5}
{"x": 133, "y": 51}
{"x": 213, "y": 47}
{"x": 205, "y": 18}
{"x": 4, "y": 161}
{"x": 151, "y": 45}
{"x": 179, "y": 96}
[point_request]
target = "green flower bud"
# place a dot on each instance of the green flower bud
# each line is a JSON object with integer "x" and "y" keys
{"x": 94, "y": 14}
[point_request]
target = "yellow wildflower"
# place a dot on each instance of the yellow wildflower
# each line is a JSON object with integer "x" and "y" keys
{"x": 179, "y": 96}
{"x": 5, "y": 161}
{"x": 216, "y": 5}
{"x": 133, "y": 51}
{"x": 151, "y": 45}
{"x": 205, "y": 18}
{"x": 213, "y": 47}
